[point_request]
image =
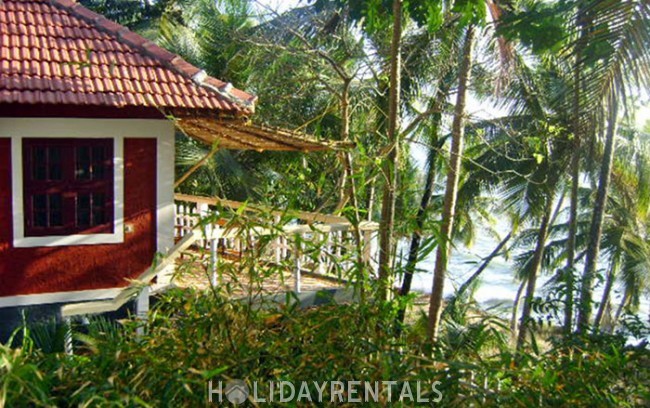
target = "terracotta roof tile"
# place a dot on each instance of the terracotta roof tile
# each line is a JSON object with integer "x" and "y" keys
{"x": 57, "y": 51}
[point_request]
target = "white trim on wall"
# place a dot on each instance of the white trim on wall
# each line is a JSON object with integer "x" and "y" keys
{"x": 165, "y": 173}
{"x": 58, "y": 297}
{"x": 118, "y": 129}
{"x": 21, "y": 241}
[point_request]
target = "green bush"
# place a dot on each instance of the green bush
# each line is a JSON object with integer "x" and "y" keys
{"x": 192, "y": 338}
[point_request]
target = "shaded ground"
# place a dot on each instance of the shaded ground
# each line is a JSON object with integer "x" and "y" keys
{"x": 191, "y": 273}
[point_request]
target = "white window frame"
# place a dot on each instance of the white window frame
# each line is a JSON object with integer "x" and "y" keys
{"x": 18, "y": 178}
{"x": 118, "y": 130}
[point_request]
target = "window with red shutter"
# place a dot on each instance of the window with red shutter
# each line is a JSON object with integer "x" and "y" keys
{"x": 67, "y": 186}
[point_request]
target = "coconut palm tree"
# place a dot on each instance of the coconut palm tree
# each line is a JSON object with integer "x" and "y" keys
{"x": 617, "y": 60}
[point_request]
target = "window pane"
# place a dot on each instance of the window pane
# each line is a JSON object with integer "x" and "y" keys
{"x": 56, "y": 210}
{"x": 82, "y": 168}
{"x": 99, "y": 163}
{"x": 99, "y": 209}
{"x": 40, "y": 202}
{"x": 83, "y": 210}
{"x": 39, "y": 210}
{"x": 58, "y": 168}
{"x": 40, "y": 219}
{"x": 54, "y": 163}
{"x": 39, "y": 163}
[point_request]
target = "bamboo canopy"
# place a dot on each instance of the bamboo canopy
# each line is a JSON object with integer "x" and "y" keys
{"x": 241, "y": 135}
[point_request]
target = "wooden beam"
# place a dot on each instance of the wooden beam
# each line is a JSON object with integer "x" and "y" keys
{"x": 195, "y": 167}
{"x": 303, "y": 215}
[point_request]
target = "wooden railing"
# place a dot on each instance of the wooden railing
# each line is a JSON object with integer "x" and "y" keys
{"x": 333, "y": 237}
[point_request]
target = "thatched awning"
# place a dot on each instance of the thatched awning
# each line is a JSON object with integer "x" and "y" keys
{"x": 239, "y": 135}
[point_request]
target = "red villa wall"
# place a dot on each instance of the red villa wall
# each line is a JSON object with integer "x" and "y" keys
{"x": 69, "y": 268}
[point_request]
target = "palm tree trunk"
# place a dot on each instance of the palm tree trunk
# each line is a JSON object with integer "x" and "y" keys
{"x": 391, "y": 163}
{"x": 451, "y": 189}
{"x": 575, "y": 176}
{"x": 515, "y": 309}
{"x": 571, "y": 240}
{"x": 607, "y": 290}
{"x": 593, "y": 249}
{"x": 619, "y": 310}
{"x": 535, "y": 266}
{"x": 416, "y": 237}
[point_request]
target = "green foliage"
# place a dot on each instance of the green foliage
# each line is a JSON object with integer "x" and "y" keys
{"x": 139, "y": 15}
{"x": 298, "y": 63}
{"x": 541, "y": 26}
{"x": 194, "y": 337}
{"x": 233, "y": 331}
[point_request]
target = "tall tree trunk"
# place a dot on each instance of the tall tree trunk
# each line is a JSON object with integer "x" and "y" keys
{"x": 391, "y": 163}
{"x": 571, "y": 240}
{"x": 416, "y": 237}
{"x": 619, "y": 310}
{"x": 515, "y": 310}
{"x": 535, "y": 266}
{"x": 348, "y": 184}
{"x": 451, "y": 189}
{"x": 575, "y": 178}
{"x": 593, "y": 249}
{"x": 344, "y": 157}
{"x": 607, "y": 290}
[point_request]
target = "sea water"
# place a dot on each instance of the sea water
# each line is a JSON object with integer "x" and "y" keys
{"x": 497, "y": 286}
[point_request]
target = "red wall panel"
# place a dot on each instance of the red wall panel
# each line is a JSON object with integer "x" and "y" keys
{"x": 68, "y": 268}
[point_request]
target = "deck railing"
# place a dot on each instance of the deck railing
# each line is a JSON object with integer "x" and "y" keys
{"x": 334, "y": 237}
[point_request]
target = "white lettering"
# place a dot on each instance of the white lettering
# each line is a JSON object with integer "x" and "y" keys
{"x": 389, "y": 387}
{"x": 435, "y": 390}
{"x": 303, "y": 392}
{"x": 353, "y": 392}
{"x": 212, "y": 391}
{"x": 406, "y": 391}
{"x": 369, "y": 391}
{"x": 320, "y": 388}
{"x": 291, "y": 387}
{"x": 420, "y": 397}
{"x": 255, "y": 397}
{"x": 339, "y": 391}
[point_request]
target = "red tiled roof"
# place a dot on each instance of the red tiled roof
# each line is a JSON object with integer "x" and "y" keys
{"x": 58, "y": 52}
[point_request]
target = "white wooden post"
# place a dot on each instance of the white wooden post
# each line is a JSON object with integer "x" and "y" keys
{"x": 278, "y": 243}
{"x": 321, "y": 240}
{"x": 330, "y": 251}
{"x": 298, "y": 266}
{"x": 186, "y": 219}
{"x": 277, "y": 251}
{"x": 213, "y": 261}
{"x": 67, "y": 341}
{"x": 142, "y": 309}
{"x": 285, "y": 247}
{"x": 367, "y": 246}
{"x": 176, "y": 220}
{"x": 338, "y": 241}
{"x": 346, "y": 242}
{"x": 203, "y": 211}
